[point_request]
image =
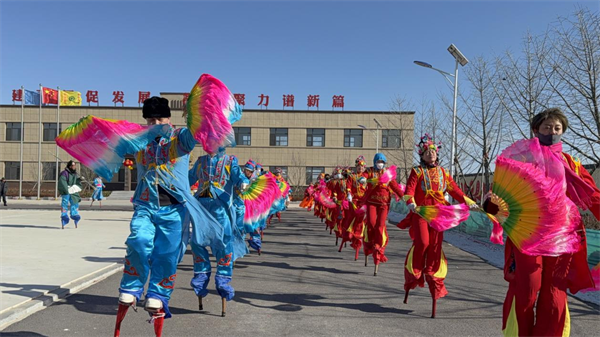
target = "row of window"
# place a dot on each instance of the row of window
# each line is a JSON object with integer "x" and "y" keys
{"x": 13, "y": 132}
{"x": 316, "y": 137}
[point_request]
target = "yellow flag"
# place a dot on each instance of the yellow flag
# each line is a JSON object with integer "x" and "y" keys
{"x": 70, "y": 98}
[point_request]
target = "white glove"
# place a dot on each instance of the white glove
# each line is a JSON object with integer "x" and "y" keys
{"x": 349, "y": 198}
{"x": 362, "y": 180}
{"x": 244, "y": 186}
{"x": 411, "y": 207}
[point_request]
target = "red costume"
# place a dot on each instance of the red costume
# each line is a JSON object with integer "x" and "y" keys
{"x": 354, "y": 218}
{"x": 551, "y": 276}
{"x": 337, "y": 188}
{"x": 377, "y": 199}
{"x": 426, "y": 260}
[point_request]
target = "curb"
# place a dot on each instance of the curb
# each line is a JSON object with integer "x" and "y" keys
{"x": 20, "y": 311}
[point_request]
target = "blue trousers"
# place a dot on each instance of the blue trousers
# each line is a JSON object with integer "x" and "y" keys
{"x": 202, "y": 268}
{"x": 153, "y": 248}
{"x": 97, "y": 194}
{"x": 67, "y": 206}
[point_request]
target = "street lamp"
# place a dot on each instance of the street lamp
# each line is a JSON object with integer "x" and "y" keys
{"x": 376, "y": 133}
{"x": 460, "y": 58}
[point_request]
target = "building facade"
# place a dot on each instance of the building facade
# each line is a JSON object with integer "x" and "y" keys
{"x": 303, "y": 143}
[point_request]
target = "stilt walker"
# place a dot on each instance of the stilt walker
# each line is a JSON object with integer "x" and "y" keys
{"x": 381, "y": 184}
{"x": 354, "y": 219}
{"x": 426, "y": 186}
{"x": 545, "y": 260}
{"x": 161, "y": 200}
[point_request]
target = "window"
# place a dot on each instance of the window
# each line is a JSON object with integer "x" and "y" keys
{"x": 12, "y": 170}
{"x": 284, "y": 170}
{"x": 50, "y": 132}
{"x": 279, "y": 137}
{"x": 312, "y": 174}
{"x": 353, "y": 137}
{"x": 13, "y": 131}
{"x": 315, "y": 137}
{"x": 49, "y": 171}
{"x": 243, "y": 136}
{"x": 391, "y": 139}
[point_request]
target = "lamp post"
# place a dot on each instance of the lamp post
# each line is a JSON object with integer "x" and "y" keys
{"x": 462, "y": 60}
{"x": 376, "y": 134}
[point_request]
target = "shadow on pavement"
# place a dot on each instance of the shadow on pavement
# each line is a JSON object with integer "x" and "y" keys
{"x": 28, "y": 226}
{"x": 283, "y": 265}
{"x": 22, "y": 333}
{"x": 104, "y": 259}
{"x": 295, "y": 302}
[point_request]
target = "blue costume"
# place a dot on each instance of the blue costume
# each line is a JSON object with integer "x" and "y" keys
{"x": 99, "y": 185}
{"x": 218, "y": 176}
{"x": 161, "y": 201}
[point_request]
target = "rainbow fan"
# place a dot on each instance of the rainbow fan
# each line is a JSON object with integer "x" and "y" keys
{"x": 284, "y": 187}
{"x": 258, "y": 199}
{"x": 443, "y": 217}
{"x": 322, "y": 198}
{"x": 101, "y": 144}
{"x": 211, "y": 110}
{"x": 388, "y": 175}
{"x": 534, "y": 210}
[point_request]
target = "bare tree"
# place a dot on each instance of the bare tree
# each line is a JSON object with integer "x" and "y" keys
{"x": 573, "y": 71}
{"x": 522, "y": 84}
{"x": 481, "y": 121}
{"x": 296, "y": 174}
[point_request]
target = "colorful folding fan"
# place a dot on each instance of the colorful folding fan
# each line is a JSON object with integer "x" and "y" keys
{"x": 533, "y": 209}
{"x": 211, "y": 110}
{"x": 101, "y": 144}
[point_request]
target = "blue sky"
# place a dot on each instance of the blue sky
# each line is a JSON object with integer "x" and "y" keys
{"x": 362, "y": 50}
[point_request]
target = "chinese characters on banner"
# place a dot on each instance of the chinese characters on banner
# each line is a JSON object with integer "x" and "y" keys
{"x": 288, "y": 100}
{"x": 264, "y": 101}
{"x": 17, "y": 95}
{"x": 240, "y": 98}
{"x": 143, "y": 95}
{"x": 118, "y": 98}
{"x": 312, "y": 101}
{"x": 338, "y": 101}
{"x": 91, "y": 97}
{"x": 50, "y": 96}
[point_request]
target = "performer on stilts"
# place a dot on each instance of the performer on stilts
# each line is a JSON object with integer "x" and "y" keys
{"x": 218, "y": 175}
{"x": 426, "y": 186}
{"x": 97, "y": 195}
{"x": 339, "y": 194}
{"x": 354, "y": 218}
{"x": 378, "y": 197}
{"x": 282, "y": 204}
{"x": 540, "y": 272}
{"x": 69, "y": 185}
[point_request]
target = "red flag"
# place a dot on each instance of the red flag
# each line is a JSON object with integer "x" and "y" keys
{"x": 50, "y": 96}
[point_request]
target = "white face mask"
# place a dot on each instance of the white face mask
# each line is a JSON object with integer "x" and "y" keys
{"x": 339, "y": 176}
{"x": 380, "y": 166}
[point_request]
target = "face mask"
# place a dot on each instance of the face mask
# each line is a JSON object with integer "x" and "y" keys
{"x": 380, "y": 166}
{"x": 339, "y": 176}
{"x": 548, "y": 140}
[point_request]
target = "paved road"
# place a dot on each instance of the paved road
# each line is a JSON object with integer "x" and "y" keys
{"x": 301, "y": 286}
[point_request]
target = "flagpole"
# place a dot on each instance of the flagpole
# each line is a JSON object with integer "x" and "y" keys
{"x": 22, "y": 136}
{"x": 39, "y": 180}
{"x": 57, "y": 132}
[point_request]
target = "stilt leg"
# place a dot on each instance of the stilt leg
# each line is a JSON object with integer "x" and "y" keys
{"x": 433, "y": 308}
{"x": 366, "y": 259}
{"x": 336, "y": 241}
{"x": 339, "y": 250}
{"x": 345, "y": 244}
{"x": 406, "y": 296}
{"x": 200, "y": 306}
{"x": 261, "y": 235}
{"x": 259, "y": 250}
{"x": 224, "y": 304}
{"x": 356, "y": 255}
{"x": 376, "y": 270}
{"x": 120, "y": 316}
{"x": 159, "y": 320}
